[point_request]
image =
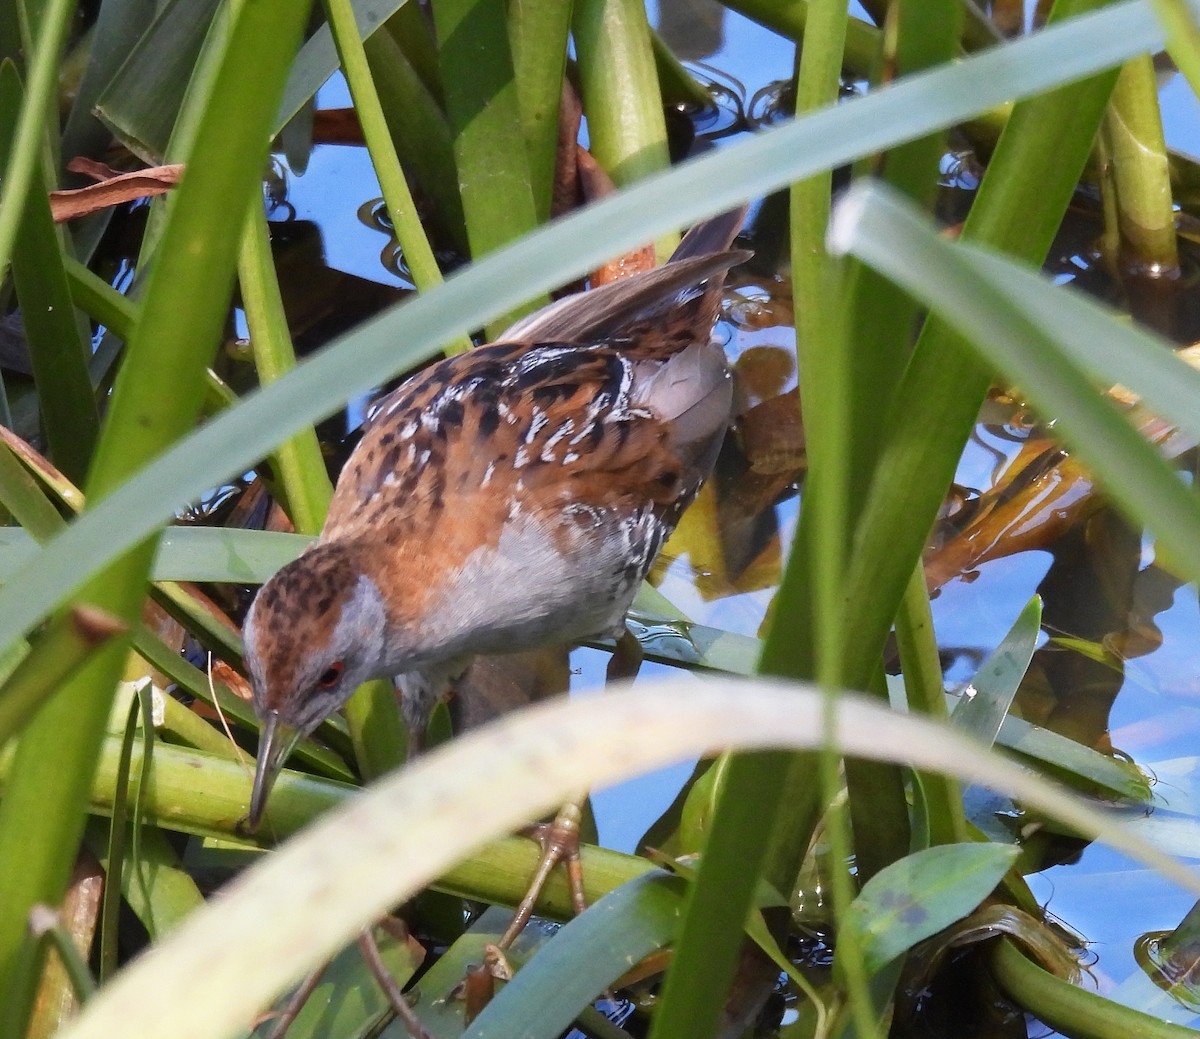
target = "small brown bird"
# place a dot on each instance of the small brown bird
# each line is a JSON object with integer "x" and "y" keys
{"x": 503, "y": 499}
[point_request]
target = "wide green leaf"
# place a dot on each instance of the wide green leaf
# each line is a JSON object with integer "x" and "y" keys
{"x": 590, "y": 954}
{"x": 913, "y": 899}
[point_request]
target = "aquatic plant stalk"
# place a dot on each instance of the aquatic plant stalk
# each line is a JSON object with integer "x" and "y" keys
{"x": 1137, "y": 153}
{"x": 58, "y": 347}
{"x": 676, "y": 84}
{"x": 863, "y": 41}
{"x": 485, "y": 120}
{"x": 301, "y": 466}
{"x": 419, "y": 129}
{"x": 21, "y": 168}
{"x": 402, "y": 211}
{"x": 539, "y": 32}
{"x": 1069, "y": 1008}
{"x": 923, "y": 684}
{"x": 627, "y": 130}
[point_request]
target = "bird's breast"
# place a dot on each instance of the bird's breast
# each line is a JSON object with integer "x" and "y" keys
{"x": 546, "y": 580}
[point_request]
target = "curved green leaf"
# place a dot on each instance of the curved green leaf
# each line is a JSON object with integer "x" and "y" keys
{"x": 913, "y": 899}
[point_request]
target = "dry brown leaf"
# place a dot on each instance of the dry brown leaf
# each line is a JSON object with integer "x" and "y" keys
{"x": 112, "y": 188}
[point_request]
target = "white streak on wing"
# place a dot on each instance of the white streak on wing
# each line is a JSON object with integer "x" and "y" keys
{"x": 536, "y": 423}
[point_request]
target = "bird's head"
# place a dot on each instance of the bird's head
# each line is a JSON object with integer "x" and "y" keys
{"x": 315, "y": 632}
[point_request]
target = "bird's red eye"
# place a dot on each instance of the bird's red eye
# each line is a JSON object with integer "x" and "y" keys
{"x": 331, "y": 676}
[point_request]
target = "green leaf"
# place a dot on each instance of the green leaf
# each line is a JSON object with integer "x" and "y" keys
{"x": 984, "y": 704}
{"x": 347, "y": 999}
{"x": 1079, "y": 765}
{"x": 912, "y": 899}
{"x": 590, "y": 953}
{"x": 58, "y": 348}
{"x": 141, "y": 103}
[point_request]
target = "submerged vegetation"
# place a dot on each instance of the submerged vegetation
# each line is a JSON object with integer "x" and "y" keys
{"x": 849, "y": 867}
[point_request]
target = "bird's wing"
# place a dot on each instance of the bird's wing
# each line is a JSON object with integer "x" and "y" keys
{"x": 546, "y": 423}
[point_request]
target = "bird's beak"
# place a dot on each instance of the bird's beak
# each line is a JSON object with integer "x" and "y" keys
{"x": 274, "y": 745}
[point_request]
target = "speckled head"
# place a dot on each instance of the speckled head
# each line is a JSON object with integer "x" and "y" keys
{"x": 316, "y": 631}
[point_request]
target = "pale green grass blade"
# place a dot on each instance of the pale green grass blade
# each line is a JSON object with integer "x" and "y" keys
{"x": 189, "y": 553}
{"x": 224, "y": 554}
{"x": 888, "y": 234}
{"x": 217, "y": 970}
{"x": 1101, "y": 341}
{"x": 1183, "y": 37}
{"x": 238, "y": 439}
